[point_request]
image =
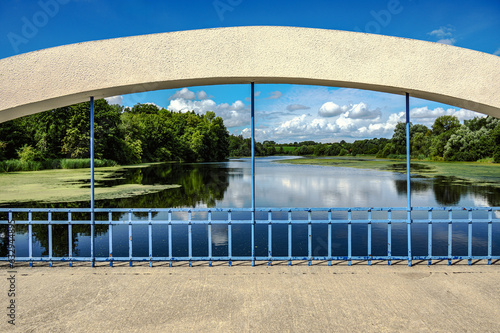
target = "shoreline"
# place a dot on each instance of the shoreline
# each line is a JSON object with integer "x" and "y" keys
{"x": 467, "y": 172}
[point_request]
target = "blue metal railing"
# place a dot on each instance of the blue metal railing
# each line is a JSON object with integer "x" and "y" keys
{"x": 304, "y": 216}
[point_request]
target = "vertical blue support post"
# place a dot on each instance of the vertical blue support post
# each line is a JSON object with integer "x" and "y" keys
{"x": 190, "y": 239}
{"x": 490, "y": 234}
{"x": 170, "y": 238}
{"x": 30, "y": 237}
{"x": 209, "y": 238}
{"x": 150, "y": 237}
{"x": 50, "y": 238}
{"x": 269, "y": 238}
{"x": 70, "y": 240}
{"x": 349, "y": 236}
{"x": 309, "y": 238}
{"x": 389, "y": 237}
{"x": 130, "y": 237}
{"x": 329, "y": 237}
{"x": 450, "y": 235}
{"x": 229, "y": 238}
{"x": 429, "y": 241}
{"x": 469, "y": 239}
{"x": 369, "y": 237}
{"x": 289, "y": 238}
{"x": 110, "y": 234}
{"x": 92, "y": 203}
{"x": 408, "y": 177}
{"x": 252, "y": 127}
{"x": 12, "y": 249}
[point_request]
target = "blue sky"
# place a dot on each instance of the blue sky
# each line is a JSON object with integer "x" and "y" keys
{"x": 284, "y": 112}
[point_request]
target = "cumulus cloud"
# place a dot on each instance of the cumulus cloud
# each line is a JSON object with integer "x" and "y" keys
{"x": 354, "y": 111}
{"x": 275, "y": 95}
{"x": 426, "y": 116}
{"x": 201, "y": 95}
{"x": 444, "y": 35}
{"x": 295, "y": 107}
{"x": 256, "y": 94}
{"x": 361, "y": 111}
{"x": 234, "y": 114}
{"x": 184, "y": 93}
{"x": 330, "y": 109}
{"x": 443, "y": 32}
{"x": 115, "y": 100}
{"x": 447, "y": 41}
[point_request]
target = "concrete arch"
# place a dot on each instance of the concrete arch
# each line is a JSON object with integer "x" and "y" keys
{"x": 59, "y": 76}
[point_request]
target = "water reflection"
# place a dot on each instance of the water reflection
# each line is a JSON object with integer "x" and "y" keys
{"x": 228, "y": 184}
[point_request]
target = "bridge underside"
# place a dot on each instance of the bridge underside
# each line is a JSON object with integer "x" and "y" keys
{"x": 61, "y": 76}
{"x": 65, "y": 75}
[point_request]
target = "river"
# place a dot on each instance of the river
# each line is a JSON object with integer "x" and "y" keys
{"x": 228, "y": 185}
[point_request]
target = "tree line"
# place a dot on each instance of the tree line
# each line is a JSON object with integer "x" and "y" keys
{"x": 447, "y": 139}
{"x": 143, "y": 133}
{"x": 147, "y": 133}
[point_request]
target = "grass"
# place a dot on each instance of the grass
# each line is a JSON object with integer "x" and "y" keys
{"x": 18, "y": 165}
{"x": 67, "y": 185}
{"x": 482, "y": 173}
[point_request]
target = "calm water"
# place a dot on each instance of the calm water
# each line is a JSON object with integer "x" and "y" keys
{"x": 228, "y": 185}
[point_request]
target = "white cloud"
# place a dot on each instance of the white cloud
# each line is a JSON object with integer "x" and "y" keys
{"x": 447, "y": 41}
{"x": 426, "y": 116}
{"x": 115, "y": 100}
{"x": 330, "y": 109}
{"x": 255, "y": 94}
{"x": 354, "y": 111}
{"x": 234, "y": 114}
{"x": 444, "y": 35}
{"x": 184, "y": 93}
{"x": 275, "y": 95}
{"x": 497, "y": 52}
{"x": 443, "y": 32}
{"x": 361, "y": 111}
{"x": 295, "y": 107}
{"x": 201, "y": 95}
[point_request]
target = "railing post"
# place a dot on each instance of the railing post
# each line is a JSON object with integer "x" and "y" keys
{"x": 269, "y": 238}
{"x": 70, "y": 239}
{"x": 30, "y": 238}
{"x": 92, "y": 203}
{"x": 229, "y": 239}
{"x": 309, "y": 238}
{"x": 252, "y": 127}
{"x": 209, "y": 238}
{"x": 408, "y": 177}
{"x": 289, "y": 237}
{"x": 150, "y": 238}
{"x": 190, "y": 239}
{"x": 110, "y": 232}
{"x": 429, "y": 235}
{"x": 50, "y": 237}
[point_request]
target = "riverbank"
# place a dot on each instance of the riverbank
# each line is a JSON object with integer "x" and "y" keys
{"x": 473, "y": 172}
{"x": 70, "y": 185}
{"x": 437, "y": 298}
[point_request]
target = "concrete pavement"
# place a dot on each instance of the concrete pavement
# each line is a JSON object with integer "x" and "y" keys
{"x": 439, "y": 298}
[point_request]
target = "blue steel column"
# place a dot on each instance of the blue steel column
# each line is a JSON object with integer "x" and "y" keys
{"x": 92, "y": 207}
{"x": 408, "y": 177}
{"x": 252, "y": 127}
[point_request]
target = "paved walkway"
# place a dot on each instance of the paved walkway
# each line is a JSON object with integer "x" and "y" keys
{"x": 241, "y": 298}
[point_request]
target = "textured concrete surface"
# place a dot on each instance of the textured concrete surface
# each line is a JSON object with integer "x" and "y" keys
{"x": 60, "y": 76}
{"x": 439, "y": 298}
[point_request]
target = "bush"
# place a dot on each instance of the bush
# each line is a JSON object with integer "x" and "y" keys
{"x": 28, "y": 153}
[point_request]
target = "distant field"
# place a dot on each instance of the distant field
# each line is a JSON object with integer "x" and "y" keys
{"x": 484, "y": 173}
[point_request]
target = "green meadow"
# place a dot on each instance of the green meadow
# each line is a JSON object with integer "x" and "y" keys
{"x": 477, "y": 172}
